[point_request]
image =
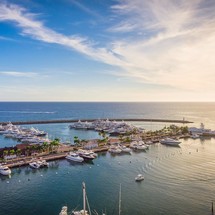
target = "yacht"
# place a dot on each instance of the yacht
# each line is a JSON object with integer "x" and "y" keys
{"x": 115, "y": 150}
{"x": 42, "y": 163}
{"x": 34, "y": 165}
{"x": 87, "y": 154}
{"x": 4, "y": 170}
{"x": 170, "y": 141}
{"x": 125, "y": 149}
{"x": 139, "y": 177}
{"x": 74, "y": 157}
{"x": 195, "y": 136}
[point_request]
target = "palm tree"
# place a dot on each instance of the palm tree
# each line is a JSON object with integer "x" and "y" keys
{"x": 5, "y": 152}
{"x": 45, "y": 146}
{"x": 18, "y": 152}
{"x": 76, "y": 140}
{"x": 12, "y": 152}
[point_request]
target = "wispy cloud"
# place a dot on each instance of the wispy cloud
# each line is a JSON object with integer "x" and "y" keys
{"x": 180, "y": 45}
{"x": 32, "y": 27}
{"x": 86, "y": 9}
{"x": 18, "y": 74}
{"x": 172, "y": 42}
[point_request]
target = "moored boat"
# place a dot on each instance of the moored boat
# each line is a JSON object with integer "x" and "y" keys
{"x": 34, "y": 165}
{"x": 74, "y": 157}
{"x": 4, "y": 170}
{"x": 170, "y": 141}
{"x": 139, "y": 177}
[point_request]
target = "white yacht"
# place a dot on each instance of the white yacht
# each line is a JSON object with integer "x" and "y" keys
{"x": 139, "y": 177}
{"x": 170, "y": 141}
{"x": 34, "y": 165}
{"x": 195, "y": 136}
{"x": 4, "y": 170}
{"x": 74, "y": 157}
{"x": 125, "y": 149}
{"x": 87, "y": 155}
{"x": 115, "y": 150}
{"x": 42, "y": 163}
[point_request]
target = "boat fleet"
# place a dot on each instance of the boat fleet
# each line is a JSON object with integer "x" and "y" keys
{"x": 202, "y": 131}
{"x": 38, "y": 163}
{"x": 113, "y": 128}
{"x": 24, "y": 135}
{"x": 81, "y": 155}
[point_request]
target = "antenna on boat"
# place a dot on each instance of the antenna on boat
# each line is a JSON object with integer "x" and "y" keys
{"x": 120, "y": 199}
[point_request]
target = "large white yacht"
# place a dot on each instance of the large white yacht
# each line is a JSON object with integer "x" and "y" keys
{"x": 34, "y": 165}
{"x": 170, "y": 141}
{"x": 4, "y": 170}
{"x": 74, "y": 157}
{"x": 87, "y": 155}
{"x": 114, "y": 150}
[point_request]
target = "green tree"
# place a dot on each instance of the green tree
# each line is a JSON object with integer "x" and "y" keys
{"x": 18, "y": 152}
{"x": 76, "y": 140}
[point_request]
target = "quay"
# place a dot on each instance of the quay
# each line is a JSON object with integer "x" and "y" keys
{"x": 183, "y": 121}
{"x": 18, "y": 162}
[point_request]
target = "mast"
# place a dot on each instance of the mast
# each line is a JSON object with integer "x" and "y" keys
{"x": 212, "y": 208}
{"x": 120, "y": 199}
{"x": 84, "y": 198}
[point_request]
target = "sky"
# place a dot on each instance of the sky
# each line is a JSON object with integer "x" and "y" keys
{"x": 107, "y": 50}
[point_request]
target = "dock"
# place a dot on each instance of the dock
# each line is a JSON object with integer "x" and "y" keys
{"x": 91, "y": 120}
{"x": 18, "y": 162}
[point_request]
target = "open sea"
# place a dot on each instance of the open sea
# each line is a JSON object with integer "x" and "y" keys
{"x": 178, "y": 180}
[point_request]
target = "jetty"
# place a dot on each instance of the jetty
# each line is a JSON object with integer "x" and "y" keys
{"x": 183, "y": 121}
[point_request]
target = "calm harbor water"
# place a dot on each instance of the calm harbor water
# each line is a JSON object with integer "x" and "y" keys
{"x": 178, "y": 180}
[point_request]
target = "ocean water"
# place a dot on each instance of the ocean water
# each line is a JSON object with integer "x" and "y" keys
{"x": 178, "y": 180}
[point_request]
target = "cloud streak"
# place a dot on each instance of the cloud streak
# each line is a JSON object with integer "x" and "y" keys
{"x": 172, "y": 43}
{"x": 19, "y": 74}
{"x": 32, "y": 27}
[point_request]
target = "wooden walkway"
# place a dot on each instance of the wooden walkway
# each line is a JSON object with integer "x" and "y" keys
{"x": 91, "y": 120}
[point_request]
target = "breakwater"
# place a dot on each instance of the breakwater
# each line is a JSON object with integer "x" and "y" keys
{"x": 91, "y": 120}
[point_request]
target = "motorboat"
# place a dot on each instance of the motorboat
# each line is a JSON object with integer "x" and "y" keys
{"x": 138, "y": 145}
{"x": 34, "y": 165}
{"x": 74, "y": 157}
{"x": 4, "y": 170}
{"x": 42, "y": 163}
{"x": 115, "y": 150}
{"x": 195, "y": 136}
{"x": 125, "y": 149}
{"x": 170, "y": 141}
{"x": 139, "y": 177}
{"x": 87, "y": 154}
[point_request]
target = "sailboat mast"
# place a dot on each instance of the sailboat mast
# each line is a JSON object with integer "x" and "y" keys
{"x": 212, "y": 208}
{"x": 120, "y": 199}
{"x": 84, "y": 198}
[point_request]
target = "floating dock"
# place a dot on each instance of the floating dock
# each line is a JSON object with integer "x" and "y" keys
{"x": 91, "y": 120}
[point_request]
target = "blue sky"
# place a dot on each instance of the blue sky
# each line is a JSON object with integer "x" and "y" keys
{"x": 93, "y": 50}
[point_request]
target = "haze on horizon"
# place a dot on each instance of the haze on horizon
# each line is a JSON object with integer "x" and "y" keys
{"x": 117, "y": 50}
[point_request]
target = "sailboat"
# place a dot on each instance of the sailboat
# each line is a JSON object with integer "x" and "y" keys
{"x": 84, "y": 211}
{"x": 85, "y": 204}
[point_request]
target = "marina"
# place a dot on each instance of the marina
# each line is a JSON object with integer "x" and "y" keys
{"x": 166, "y": 171}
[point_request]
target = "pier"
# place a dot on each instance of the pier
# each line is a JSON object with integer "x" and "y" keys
{"x": 91, "y": 120}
